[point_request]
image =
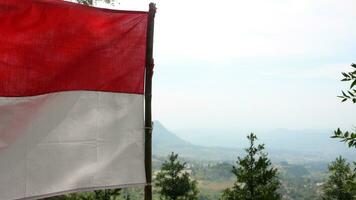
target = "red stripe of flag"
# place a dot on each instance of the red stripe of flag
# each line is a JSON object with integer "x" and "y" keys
{"x": 51, "y": 46}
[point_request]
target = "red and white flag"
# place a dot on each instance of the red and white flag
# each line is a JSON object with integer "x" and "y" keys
{"x": 71, "y": 98}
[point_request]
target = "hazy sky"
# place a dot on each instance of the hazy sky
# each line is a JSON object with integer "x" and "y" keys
{"x": 252, "y": 64}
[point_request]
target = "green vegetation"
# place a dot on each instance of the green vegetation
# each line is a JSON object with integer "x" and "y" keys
{"x": 348, "y": 137}
{"x": 256, "y": 179}
{"x": 351, "y": 93}
{"x": 341, "y": 183}
{"x": 174, "y": 181}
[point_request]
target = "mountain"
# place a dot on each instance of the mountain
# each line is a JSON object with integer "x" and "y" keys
{"x": 165, "y": 142}
{"x": 163, "y": 138}
{"x": 294, "y": 146}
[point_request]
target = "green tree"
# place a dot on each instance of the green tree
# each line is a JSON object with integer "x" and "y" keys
{"x": 348, "y": 137}
{"x": 256, "y": 178}
{"x": 341, "y": 182}
{"x": 174, "y": 182}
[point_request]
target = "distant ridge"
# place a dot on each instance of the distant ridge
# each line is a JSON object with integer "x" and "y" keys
{"x": 281, "y": 145}
{"x": 164, "y": 138}
{"x": 165, "y": 142}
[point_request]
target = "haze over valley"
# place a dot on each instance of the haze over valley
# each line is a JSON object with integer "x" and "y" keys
{"x": 295, "y": 146}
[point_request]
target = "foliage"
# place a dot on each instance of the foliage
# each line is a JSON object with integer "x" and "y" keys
{"x": 341, "y": 184}
{"x": 348, "y": 137}
{"x": 106, "y": 194}
{"x": 174, "y": 182}
{"x": 256, "y": 179}
{"x": 351, "y": 93}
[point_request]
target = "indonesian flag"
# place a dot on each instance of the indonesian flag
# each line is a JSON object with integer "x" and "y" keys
{"x": 71, "y": 98}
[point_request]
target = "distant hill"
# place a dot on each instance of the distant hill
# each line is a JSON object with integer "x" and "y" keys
{"x": 163, "y": 138}
{"x": 281, "y": 144}
{"x": 165, "y": 142}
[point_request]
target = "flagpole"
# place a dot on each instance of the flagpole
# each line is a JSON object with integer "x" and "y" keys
{"x": 148, "y": 99}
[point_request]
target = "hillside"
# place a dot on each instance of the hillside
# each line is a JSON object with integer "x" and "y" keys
{"x": 165, "y": 142}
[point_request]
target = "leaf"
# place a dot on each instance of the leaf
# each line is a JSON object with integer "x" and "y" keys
{"x": 350, "y": 144}
{"x": 353, "y": 84}
{"x": 345, "y": 75}
{"x": 345, "y": 94}
{"x": 343, "y": 100}
{"x": 346, "y": 134}
{"x": 338, "y": 132}
{"x": 351, "y": 93}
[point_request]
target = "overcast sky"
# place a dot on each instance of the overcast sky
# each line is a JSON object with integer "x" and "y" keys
{"x": 252, "y": 64}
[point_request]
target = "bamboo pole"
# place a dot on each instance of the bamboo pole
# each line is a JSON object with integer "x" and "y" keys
{"x": 148, "y": 99}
